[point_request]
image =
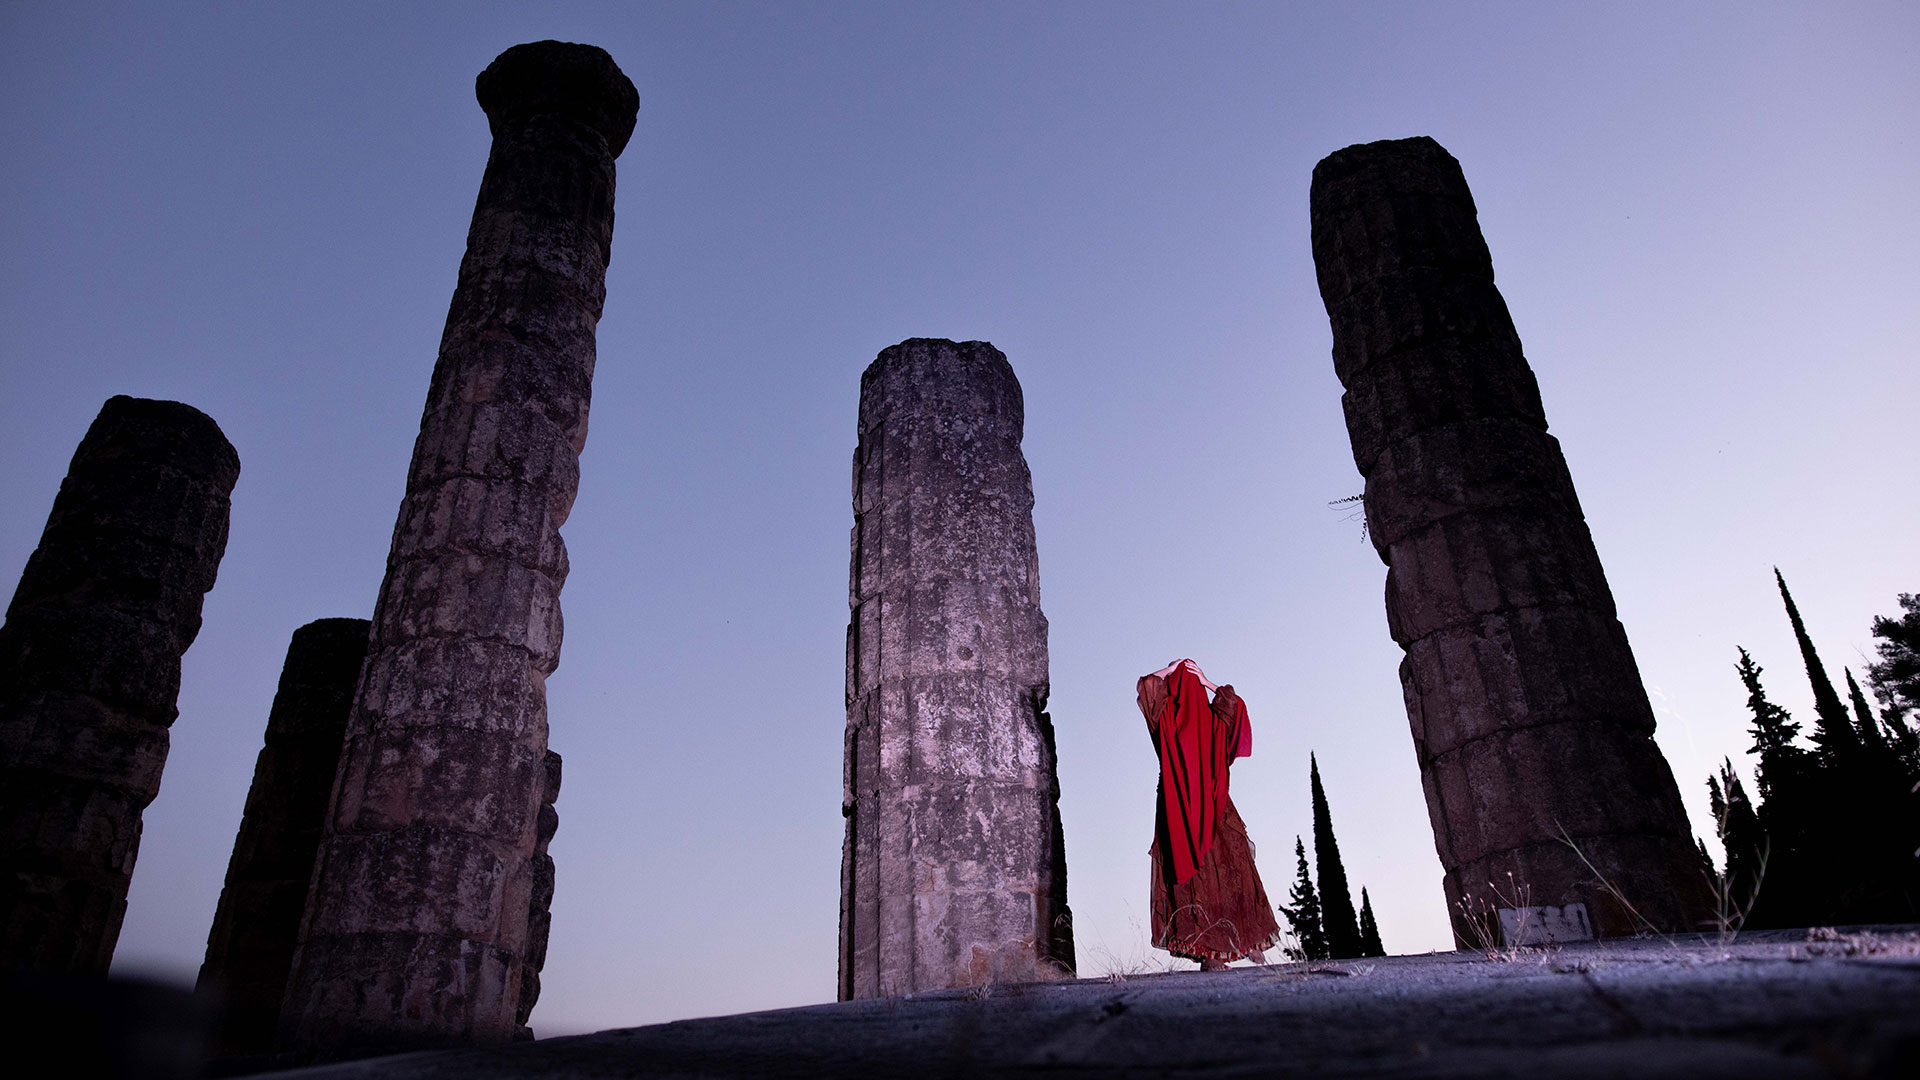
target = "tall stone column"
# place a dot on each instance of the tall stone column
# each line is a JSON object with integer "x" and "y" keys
{"x": 90, "y": 671}
{"x": 540, "y": 906}
{"x": 257, "y": 924}
{"x": 417, "y": 927}
{"x": 1533, "y": 733}
{"x": 953, "y": 872}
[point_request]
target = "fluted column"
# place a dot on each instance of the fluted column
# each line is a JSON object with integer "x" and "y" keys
{"x": 417, "y": 928}
{"x": 1533, "y": 733}
{"x": 90, "y": 672}
{"x": 953, "y": 871}
{"x": 257, "y": 923}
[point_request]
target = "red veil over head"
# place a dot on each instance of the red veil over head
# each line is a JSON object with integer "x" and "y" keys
{"x": 1195, "y": 747}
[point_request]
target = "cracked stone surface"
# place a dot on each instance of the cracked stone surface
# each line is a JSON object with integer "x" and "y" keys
{"x": 426, "y": 917}
{"x": 954, "y": 869}
{"x": 90, "y": 672}
{"x": 1532, "y": 729}
{"x": 1686, "y": 1008}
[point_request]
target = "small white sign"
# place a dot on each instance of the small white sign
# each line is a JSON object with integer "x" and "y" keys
{"x": 1545, "y": 925}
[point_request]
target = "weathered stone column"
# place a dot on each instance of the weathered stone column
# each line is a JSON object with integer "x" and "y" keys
{"x": 90, "y": 670}
{"x": 953, "y": 872}
{"x": 540, "y": 906}
{"x": 416, "y": 930}
{"x": 1534, "y": 735}
{"x": 257, "y": 923}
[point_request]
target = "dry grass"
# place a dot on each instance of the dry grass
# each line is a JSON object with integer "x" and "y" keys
{"x": 1480, "y": 923}
{"x": 1647, "y": 929}
{"x": 1729, "y": 911}
{"x": 1138, "y": 959}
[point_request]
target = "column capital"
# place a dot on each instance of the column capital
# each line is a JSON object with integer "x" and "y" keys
{"x": 580, "y": 82}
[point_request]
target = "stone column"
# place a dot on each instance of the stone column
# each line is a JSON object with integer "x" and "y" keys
{"x": 417, "y": 927}
{"x": 953, "y": 872}
{"x": 540, "y": 907}
{"x": 258, "y": 921}
{"x": 1533, "y": 733}
{"x": 90, "y": 671}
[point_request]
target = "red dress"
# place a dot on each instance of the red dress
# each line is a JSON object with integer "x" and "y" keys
{"x": 1206, "y": 897}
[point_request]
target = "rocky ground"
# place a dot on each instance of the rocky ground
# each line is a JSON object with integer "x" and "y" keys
{"x": 1782, "y": 1004}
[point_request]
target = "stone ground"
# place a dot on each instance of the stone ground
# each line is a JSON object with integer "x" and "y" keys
{"x": 1777, "y": 1004}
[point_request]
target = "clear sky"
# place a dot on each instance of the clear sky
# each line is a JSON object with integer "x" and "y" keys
{"x": 1703, "y": 218}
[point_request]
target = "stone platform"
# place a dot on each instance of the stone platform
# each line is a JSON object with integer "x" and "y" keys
{"x": 1781, "y": 1004}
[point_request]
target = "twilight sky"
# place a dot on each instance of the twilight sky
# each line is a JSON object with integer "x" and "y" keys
{"x": 1702, "y": 217}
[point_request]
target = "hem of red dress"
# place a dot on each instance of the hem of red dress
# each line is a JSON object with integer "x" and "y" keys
{"x": 1196, "y": 953}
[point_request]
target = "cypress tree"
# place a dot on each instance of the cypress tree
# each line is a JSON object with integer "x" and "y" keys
{"x": 1303, "y": 914}
{"x": 1872, "y": 739}
{"x": 1832, "y": 730}
{"x": 1785, "y": 811}
{"x": 1889, "y": 863}
{"x": 1896, "y": 677}
{"x": 1336, "y": 899}
{"x": 1774, "y": 731}
{"x": 1858, "y": 823}
{"x": 1369, "y": 929}
{"x": 1741, "y": 835}
{"x": 1904, "y": 742}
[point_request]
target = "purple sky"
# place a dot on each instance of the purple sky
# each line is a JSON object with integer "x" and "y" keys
{"x": 1703, "y": 218}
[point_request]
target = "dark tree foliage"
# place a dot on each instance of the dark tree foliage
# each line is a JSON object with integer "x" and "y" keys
{"x": 1369, "y": 929}
{"x": 1785, "y": 782}
{"x": 1839, "y": 826}
{"x": 1832, "y": 732}
{"x": 1857, "y": 823}
{"x": 1303, "y": 910}
{"x": 1781, "y": 760}
{"x": 1889, "y": 793}
{"x": 1336, "y": 899}
{"x": 1740, "y": 834}
{"x": 1896, "y": 678}
{"x": 1904, "y": 740}
{"x": 1874, "y": 743}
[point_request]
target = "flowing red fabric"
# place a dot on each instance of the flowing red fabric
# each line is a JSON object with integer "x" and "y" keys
{"x": 1195, "y": 748}
{"x": 1242, "y": 728}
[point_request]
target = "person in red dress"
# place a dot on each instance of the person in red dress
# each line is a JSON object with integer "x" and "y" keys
{"x": 1206, "y": 897}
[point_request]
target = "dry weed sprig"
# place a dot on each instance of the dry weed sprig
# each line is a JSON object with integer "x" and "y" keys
{"x": 1356, "y": 510}
{"x": 1730, "y": 914}
{"x": 1647, "y": 929}
{"x": 1118, "y": 970}
{"x": 1481, "y": 921}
